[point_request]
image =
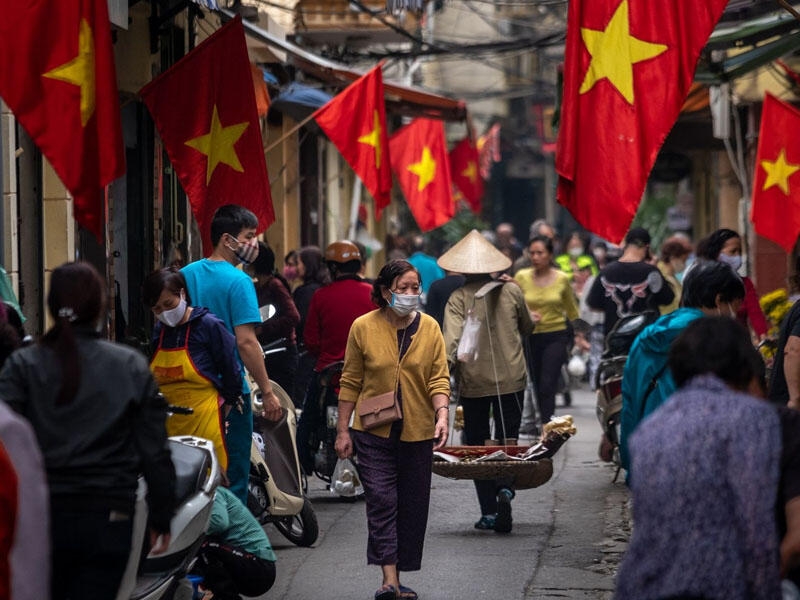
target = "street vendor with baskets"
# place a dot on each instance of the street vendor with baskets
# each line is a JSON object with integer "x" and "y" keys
{"x": 484, "y": 324}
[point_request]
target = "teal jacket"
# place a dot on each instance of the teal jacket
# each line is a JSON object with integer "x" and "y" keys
{"x": 647, "y": 362}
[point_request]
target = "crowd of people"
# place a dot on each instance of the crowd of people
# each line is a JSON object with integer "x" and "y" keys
{"x": 489, "y": 321}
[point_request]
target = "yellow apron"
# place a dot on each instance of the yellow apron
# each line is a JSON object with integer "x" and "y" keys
{"x": 183, "y": 385}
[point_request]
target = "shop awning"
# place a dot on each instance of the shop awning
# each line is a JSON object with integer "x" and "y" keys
{"x": 750, "y": 45}
{"x": 400, "y": 99}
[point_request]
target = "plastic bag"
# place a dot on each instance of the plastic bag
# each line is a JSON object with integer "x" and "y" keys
{"x": 345, "y": 480}
{"x": 468, "y": 345}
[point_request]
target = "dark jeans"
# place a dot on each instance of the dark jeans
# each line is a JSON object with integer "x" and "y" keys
{"x": 397, "y": 488}
{"x": 90, "y": 552}
{"x": 303, "y": 375}
{"x": 308, "y": 425}
{"x": 507, "y": 414}
{"x": 548, "y": 353}
{"x": 228, "y": 571}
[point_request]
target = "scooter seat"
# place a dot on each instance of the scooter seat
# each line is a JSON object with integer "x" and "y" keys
{"x": 191, "y": 469}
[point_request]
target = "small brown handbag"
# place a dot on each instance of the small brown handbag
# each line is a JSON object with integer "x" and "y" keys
{"x": 379, "y": 410}
{"x": 383, "y": 408}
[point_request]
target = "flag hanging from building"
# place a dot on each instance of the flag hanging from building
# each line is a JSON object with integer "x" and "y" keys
{"x": 420, "y": 162}
{"x": 776, "y": 184}
{"x": 57, "y": 77}
{"x": 204, "y": 108}
{"x": 355, "y": 121}
{"x": 464, "y": 161}
{"x": 628, "y": 68}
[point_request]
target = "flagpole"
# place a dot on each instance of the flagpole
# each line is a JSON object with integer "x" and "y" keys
{"x": 789, "y": 8}
{"x": 290, "y": 132}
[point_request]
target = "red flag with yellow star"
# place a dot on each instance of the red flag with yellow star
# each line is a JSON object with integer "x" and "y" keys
{"x": 57, "y": 76}
{"x": 776, "y": 185}
{"x": 210, "y": 128}
{"x": 464, "y": 161}
{"x": 355, "y": 121}
{"x": 420, "y": 162}
{"x": 628, "y": 66}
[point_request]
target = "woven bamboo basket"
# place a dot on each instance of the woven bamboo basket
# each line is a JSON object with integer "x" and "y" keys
{"x": 524, "y": 473}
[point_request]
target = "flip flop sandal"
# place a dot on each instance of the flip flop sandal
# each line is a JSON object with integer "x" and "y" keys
{"x": 406, "y": 593}
{"x": 386, "y": 592}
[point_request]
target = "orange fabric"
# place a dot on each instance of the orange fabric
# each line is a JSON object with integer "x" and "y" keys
{"x": 210, "y": 128}
{"x": 697, "y": 99}
{"x": 260, "y": 87}
{"x": 183, "y": 385}
{"x": 419, "y": 160}
{"x": 58, "y": 78}
{"x": 776, "y": 185}
{"x": 355, "y": 121}
{"x": 628, "y": 65}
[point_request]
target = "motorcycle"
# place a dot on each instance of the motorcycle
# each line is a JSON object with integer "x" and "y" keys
{"x": 275, "y": 490}
{"x": 608, "y": 381}
{"x": 317, "y": 434}
{"x": 164, "y": 576}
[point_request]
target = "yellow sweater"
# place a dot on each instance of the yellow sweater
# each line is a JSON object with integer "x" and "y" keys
{"x": 555, "y": 302}
{"x": 370, "y": 365}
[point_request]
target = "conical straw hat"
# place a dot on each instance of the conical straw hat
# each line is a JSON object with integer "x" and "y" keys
{"x": 474, "y": 254}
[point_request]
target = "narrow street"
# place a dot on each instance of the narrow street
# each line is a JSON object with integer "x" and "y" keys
{"x": 567, "y": 540}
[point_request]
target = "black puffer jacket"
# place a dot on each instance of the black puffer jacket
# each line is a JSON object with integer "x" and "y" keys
{"x": 96, "y": 446}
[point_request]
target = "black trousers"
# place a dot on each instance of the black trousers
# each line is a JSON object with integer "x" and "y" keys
{"x": 507, "y": 414}
{"x": 228, "y": 571}
{"x": 90, "y": 552}
{"x": 397, "y": 488}
{"x": 548, "y": 353}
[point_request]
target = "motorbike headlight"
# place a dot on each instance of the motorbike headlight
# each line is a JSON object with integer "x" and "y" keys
{"x": 332, "y": 416}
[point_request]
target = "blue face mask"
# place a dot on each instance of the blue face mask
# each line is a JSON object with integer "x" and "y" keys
{"x": 732, "y": 260}
{"x": 404, "y": 304}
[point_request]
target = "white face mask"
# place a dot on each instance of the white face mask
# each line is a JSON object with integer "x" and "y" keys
{"x": 733, "y": 260}
{"x": 404, "y": 304}
{"x": 173, "y": 316}
{"x": 575, "y": 252}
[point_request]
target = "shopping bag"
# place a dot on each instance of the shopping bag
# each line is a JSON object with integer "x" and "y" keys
{"x": 468, "y": 345}
{"x": 345, "y": 480}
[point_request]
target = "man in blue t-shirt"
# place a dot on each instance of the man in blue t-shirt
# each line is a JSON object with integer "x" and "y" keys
{"x": 229, "y": 293}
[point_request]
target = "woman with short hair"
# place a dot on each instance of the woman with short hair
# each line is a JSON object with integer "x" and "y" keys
{"x": 395, "y": 347}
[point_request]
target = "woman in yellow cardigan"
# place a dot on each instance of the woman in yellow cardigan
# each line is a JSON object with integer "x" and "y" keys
{"x": 395, "y": 347}
{"x": 552, "y": 303}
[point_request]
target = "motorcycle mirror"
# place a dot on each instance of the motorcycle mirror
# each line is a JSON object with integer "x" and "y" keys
{"x": 267, "y": 311}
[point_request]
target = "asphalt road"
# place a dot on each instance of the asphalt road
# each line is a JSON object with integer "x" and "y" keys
{"x": 567, "y": 539}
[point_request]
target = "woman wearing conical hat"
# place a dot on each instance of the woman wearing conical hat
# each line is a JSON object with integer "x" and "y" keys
{"x": 493, "y": 376}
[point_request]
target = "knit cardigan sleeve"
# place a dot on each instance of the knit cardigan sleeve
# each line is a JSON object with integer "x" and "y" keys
{"x": 370, "y": 368}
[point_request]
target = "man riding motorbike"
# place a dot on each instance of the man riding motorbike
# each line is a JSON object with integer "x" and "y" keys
{"x": 333, "y": 309}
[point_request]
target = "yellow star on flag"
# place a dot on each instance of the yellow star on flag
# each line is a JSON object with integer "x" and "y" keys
{"x": 425, "y": 169}
{"x": 471, "y": 172}
{"x": 614, "y": 51}
{"x": 218, "y": 144}
{"x": 778, "y": 172}
{"x": 373, "y": 138}
{"x": 80, "y": 71}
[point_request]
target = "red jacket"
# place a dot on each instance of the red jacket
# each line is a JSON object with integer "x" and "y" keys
{"x": 333, "y": 309}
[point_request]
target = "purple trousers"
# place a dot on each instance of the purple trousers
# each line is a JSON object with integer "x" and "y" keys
{"x": 397, "y": 487}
